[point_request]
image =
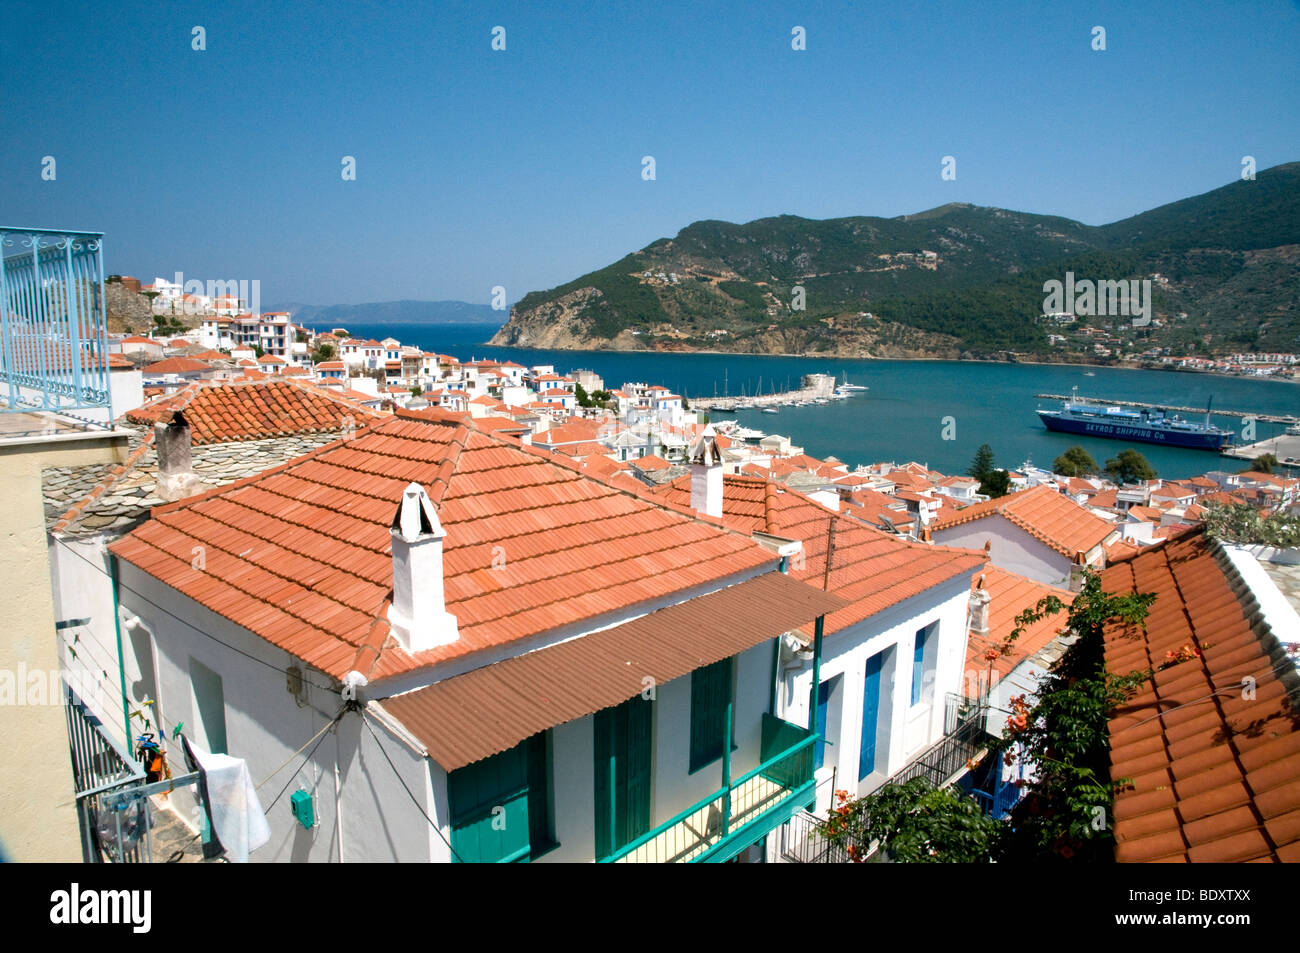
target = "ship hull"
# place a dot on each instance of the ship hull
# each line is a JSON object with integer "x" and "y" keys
{"x": 1123, "y": 431}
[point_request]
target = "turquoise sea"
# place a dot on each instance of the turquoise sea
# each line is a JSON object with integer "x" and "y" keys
{"x": 901, "y": 416}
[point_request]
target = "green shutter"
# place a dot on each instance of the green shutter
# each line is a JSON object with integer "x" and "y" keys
{"x": 710, "y": 692}
{"x": 622, "y": 773}
{"x": 516, "y": 782}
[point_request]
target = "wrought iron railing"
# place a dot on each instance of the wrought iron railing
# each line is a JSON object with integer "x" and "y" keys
{"x": 803, "y": 843}
{"x": 964, "y": 737}
{"x": 53, "y": 329}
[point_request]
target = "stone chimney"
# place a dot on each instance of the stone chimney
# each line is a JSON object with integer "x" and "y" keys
{"x": 706, "y": 475}
{"x": 176, "y": 477}
{"x": 979, "y": 609}
{"x": 418, "y": 614}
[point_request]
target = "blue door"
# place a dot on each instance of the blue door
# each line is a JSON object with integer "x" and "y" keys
{"x": 823, "y": 697}
{"x": 870, "y": 713}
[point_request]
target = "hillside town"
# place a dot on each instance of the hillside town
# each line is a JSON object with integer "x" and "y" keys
{"x": 496, "y": 584}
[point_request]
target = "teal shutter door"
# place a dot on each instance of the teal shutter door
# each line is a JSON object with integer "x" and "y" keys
{"x": 823, "y": 698}
{"x": 710, "y": 692}
{"x": 870, "y": 717}
{"x": 478, "y": 833}
{"x": 623, "y": 771}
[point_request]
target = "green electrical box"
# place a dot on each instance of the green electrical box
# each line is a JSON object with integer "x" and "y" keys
{"x": 301, "y": 806}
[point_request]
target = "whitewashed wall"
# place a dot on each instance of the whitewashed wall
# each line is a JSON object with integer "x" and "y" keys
{"x": 265, "y": 725}
{"x": 1012, "y": 548}
{"x": 903, "y": 729}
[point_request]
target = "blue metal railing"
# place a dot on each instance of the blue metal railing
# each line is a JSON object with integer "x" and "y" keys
{"x": 53, "y": 327}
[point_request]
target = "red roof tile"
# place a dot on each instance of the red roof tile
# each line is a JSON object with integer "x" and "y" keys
{"x": 1042, "y": 512}
{"x": 225, "y": 412}
{"x": 870, "y": 568}
{"x": 301, "y": 554}
{"x": 1214, "y": 769}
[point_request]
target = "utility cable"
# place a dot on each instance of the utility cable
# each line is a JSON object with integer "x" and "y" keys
{"x": 320, "y": 738}
{"x": 419, "y": 807}
{"x": 328, "y": 725}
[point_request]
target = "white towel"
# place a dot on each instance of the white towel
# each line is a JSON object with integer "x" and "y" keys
{"x": 237, "y": 816}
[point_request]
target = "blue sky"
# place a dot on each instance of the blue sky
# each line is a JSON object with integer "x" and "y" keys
{"x": 522, "y": 168}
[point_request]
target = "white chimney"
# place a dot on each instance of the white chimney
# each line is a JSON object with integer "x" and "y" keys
{"x": 418, "y": 614}
{"x": 706, "y": 475}
{"x": 979, "y": 609}
{"x": 176, "y": 477}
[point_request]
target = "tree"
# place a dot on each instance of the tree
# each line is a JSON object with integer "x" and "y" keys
{"x": 686, "y": 404}
{"x": 982, "y": 465}
{"x": 584, "y": 399}
{"x": 1067, "y": 809}
{"x": 1075, "y": 462}
{"x": 913, "y": 823}
{"x": 324, "y": 352}
{"x": 417, "y": 390}
{"x": 1129, "y": 467}
{"x": 1264, "y": 463}
{"x": 993, "y": 482}
{"x": 1244, "y": 524}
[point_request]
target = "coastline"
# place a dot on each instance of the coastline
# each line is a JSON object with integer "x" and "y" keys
{"x": 1126, "y": 366}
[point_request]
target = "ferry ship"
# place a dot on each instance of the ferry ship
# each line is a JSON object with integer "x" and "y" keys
{"x": 1145, "y": 426}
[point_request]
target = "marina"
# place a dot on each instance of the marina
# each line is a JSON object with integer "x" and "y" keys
{"x": 814, "y": 389}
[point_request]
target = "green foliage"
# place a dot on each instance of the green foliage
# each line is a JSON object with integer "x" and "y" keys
{"x": 417, "y": 390}
{"x": 1244, "y": 524}
{"x": 1075, "y": 462}
{"x": 914, "y": 823}
{"x": 324, "y": 352}
{"x": 1067, "y": 809}
{"x": 1264, "y": 463}
{"x": 584, "y": 399}
{"x": 1129, "y": 467}
{"x": 993, "y": 482}
{"x": 982, "y": 465}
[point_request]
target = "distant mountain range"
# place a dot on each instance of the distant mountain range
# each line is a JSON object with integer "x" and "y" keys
{"x": 391, "y": 312}
{"x": 955, "y": 281}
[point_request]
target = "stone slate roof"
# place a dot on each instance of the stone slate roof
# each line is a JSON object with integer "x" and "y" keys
{"x": 74, "y": 508}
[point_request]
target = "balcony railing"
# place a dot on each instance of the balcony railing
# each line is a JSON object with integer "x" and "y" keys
{"x": 964, "y": 737}
{"x": 53, "y": 331}
{"x": 734, "y": 817}
{"x": 113, "y": 827}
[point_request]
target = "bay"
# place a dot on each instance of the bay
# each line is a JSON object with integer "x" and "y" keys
{"x": 902, "y": 416}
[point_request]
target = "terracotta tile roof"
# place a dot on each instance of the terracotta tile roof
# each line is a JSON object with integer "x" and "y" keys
{"x": 177, "y": 365}
{"x": 580, "y": 430}
{"x": 870, "y": 568}
{"x": 1009, "y": 595}
{"x": 651, "y": 462}
{"x": 1214, "y": 772}
{"x": 226, "y": 412}
{"x": 1045, "y": 514}
{"x": 301, "y": 555}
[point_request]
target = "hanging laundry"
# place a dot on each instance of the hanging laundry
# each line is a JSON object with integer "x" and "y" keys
{"x": 236, "y": 813}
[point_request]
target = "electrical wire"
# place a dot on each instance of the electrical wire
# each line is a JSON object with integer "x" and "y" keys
{"x": 328, "y": 725}
{"x": 419, "y": 807}
{"x": 320, "y": 736}
{"x": 187, "y": 622}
